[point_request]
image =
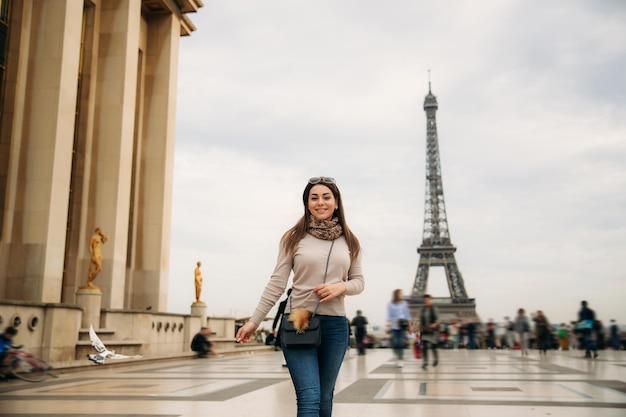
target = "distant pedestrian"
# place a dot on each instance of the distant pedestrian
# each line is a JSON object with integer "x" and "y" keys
{"x": 522, "y": 329}
{"x": 463, "y": 332}
{"x": 598, "y": 329}
{"x": 278, "y": 320}
{"x": 574, "y": 342}
{"x": 562, "y": 335}
{"x": 429, "y": 330}
{"x": 614, "y": 334}
{"x": 510, "y": 332}
{"x": 543, "y": 332}
{"x": 202, "y": 345}
{"x": 454, "y": 330}
{"x": 360, "y": 331}
{"x": 471, "y": 335}
{"x": 490, "y": 329}
{"x": 586, "y": 321}
{"x": 399, "y": 323}
{"x": 500, "y": 335}
{"x": 6, "y": 343}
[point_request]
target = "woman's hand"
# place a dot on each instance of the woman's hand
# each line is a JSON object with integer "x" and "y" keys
{"x": 245, "y": 333}
{"x": 327, "y": 292}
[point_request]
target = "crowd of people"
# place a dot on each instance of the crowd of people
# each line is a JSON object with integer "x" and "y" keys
{"x": 522, "y": 332}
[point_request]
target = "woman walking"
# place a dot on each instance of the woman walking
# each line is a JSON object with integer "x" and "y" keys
{"x": 522, "y": 328}
{"x": 325, "y": 257}
{"x": 399, "y": 323}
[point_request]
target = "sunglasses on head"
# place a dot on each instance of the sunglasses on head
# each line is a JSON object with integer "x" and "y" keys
{"x": 323, "y": 180}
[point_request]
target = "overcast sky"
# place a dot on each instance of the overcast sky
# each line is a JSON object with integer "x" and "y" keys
{"x": 532, "y": 135}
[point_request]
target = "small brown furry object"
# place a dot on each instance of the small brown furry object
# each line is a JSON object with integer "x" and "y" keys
{"x": 300, "y": 319}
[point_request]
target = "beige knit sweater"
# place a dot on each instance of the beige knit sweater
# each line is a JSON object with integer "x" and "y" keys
{"x": 308, "y": 265}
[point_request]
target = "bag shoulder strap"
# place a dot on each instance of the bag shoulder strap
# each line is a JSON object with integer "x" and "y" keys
{"x": 325, "y": 273}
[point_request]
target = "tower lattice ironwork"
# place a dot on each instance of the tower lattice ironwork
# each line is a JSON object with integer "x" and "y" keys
{"x": 436, "y": 249}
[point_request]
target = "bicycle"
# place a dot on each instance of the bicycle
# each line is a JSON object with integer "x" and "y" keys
{"x": 27, "y": 367}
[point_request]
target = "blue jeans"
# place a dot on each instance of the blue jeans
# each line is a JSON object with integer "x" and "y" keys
{"x": 615, "y": 343}
{"x": 589, "y": 345}
{"x": 471, "y": 341}
{"x": 397, "y": 342}
{"x": 314, "y": 370}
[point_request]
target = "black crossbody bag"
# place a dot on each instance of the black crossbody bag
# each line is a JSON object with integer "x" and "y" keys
{"x": 310, "y": 337}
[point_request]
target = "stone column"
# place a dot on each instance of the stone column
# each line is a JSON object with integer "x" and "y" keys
{"x": 153, "y": 181}
{"x": 91, "y": 302}
{"x": 113, "y": 139}
{"x": 41, "y": 152}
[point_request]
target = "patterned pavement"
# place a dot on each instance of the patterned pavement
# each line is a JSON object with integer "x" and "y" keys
{"x": 465, "y": 383}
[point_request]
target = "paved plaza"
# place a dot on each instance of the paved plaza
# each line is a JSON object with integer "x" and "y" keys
{"x": 466, "y": 383}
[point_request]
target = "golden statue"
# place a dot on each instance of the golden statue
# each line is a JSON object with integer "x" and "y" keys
{"x": 198, "y": 282}
{"x": 95, "y": 250}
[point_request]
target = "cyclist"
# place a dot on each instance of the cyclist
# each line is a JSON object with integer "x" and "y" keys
{"x": 6, "y": 342}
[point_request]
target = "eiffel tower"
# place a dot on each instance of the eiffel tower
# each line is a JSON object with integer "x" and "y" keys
{"x": 436, "y": 249}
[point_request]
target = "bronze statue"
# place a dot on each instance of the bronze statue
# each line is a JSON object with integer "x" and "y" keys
{"x": 95, "y": 266}
{"x": 198, "y": 282}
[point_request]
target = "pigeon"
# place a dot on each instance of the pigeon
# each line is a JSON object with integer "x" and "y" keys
{"x": 103, "y": 352}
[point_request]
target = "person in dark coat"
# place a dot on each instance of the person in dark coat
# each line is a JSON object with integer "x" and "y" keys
{"x": 6, "y": 343}
{"x": 614, "y": 329}
{"x": 278, "y": 319}
{"x": 429, "y": 330}
{"x": 586, "y": 321}
{"x": 360, "y": 331}
{"x": 543, "y": 332}
{"x": 491, "y": 334}
{"x": 202, "y": 345}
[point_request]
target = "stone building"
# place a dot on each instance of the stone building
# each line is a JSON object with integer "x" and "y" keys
{"x": 87, "y": 125}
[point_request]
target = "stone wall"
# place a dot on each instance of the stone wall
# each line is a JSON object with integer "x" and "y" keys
{"x": 54, "y": 332}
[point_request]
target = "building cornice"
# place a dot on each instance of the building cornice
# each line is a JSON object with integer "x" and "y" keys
{"x": 178, "y": 7}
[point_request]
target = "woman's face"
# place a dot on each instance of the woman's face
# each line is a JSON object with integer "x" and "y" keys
{"x": 322, "y": 203}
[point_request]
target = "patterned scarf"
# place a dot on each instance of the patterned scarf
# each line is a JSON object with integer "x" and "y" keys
{"x": 325, "y": 229}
